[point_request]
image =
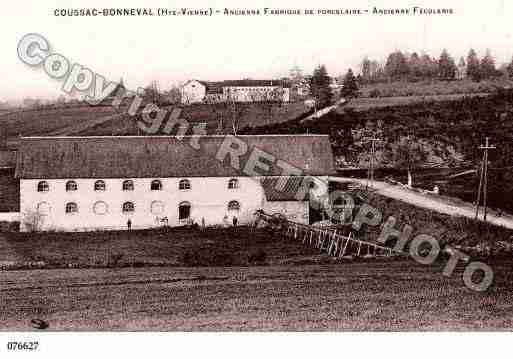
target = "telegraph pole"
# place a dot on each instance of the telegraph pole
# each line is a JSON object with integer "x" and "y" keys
{"x": 483, "y": 180}
{"x": 370, "y": 172}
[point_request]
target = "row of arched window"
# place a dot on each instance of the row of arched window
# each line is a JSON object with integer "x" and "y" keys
{"x": 128, "y": 185}
{"x": 129, "y": 207}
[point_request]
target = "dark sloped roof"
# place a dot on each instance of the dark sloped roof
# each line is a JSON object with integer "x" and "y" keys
{"x": 213, "y": 87}
{"x": 249, "y": 82}
{"x": 275, "y": 192}
{"x": 217, "y": 86}
{"x": 163, "y": 156}
{"x": 7, "y": 158}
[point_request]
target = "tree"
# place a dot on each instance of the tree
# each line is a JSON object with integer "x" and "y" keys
{"x": 3, "y": 138}
{"x": 366, "y": 70}
{"x": 349, "y": 85}
{"x": 396, "y": 67}
{"x": 446, "y": 66}
{"x": 487, "y": 66}
{"x": 152, "y": 93}
{"x": 61, "y": 100}
{"x": 407, "y": 154}
{"x": 429, "y": 66}
{"x": 415, "y": 66}
{"x": 509, "y": 69}
{"x": 473, "y": 66}
{"x": 173, "y": 95}
{"x": 320, "y": 87}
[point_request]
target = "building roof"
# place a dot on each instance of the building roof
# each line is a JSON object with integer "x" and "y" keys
{"x": 255, "y": 83}
{"x": 292, "y": 190}
{"x": 164, "y": 156}
{"x": 213, "y": 87}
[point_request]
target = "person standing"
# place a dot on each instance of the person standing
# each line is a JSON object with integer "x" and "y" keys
{"x": 129, "y": 224}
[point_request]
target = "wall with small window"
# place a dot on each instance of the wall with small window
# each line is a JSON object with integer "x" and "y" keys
{"x": 101, "y": 202}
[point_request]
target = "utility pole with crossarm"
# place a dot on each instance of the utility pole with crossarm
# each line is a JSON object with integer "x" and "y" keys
{"x": 483, "y": 179}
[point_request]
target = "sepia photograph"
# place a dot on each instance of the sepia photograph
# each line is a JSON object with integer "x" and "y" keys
{"x": 225, "y": 167}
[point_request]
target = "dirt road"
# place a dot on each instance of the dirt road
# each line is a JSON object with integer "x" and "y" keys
{"x": 429, "y": 201}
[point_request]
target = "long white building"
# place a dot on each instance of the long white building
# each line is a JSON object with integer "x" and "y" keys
{"x": 194, "y": 91}
{"x": 99, "y": 183}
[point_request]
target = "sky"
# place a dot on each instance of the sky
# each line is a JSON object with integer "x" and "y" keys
{"x": 171, "y": 50}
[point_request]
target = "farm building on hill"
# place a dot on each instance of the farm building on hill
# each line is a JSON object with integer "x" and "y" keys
{"x": 97, "y": 183}
{"x": 194, "y": 91}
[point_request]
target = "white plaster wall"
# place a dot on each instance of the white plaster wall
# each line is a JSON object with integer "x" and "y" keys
{"x": 253, "y": 93}
{"x": 193, "y": 92}
{"x": 286, "y": 94}
{"x": 209, "y": 199}
{"x": 295, "y": 211}
{"x": 9, "y": 216}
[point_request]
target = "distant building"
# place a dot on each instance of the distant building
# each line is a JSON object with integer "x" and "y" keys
{"x": 194, "y": 91}
{"x": 99, "y": 183}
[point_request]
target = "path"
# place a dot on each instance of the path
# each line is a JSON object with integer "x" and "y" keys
{"x": 428, "y": 201}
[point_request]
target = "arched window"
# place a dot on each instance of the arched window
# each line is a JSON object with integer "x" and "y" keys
{"x": 184, "y": 211}
{"x": 156, "y": 185}
{"x": 233, "y": 206}
{"x": 43, "y": 186}
{"x": 100, "y": 208}
{"x": 128, "y": 207}
{"x": 128, "y": 185}
{"x": 184, "y": 184}
{"x": 71, "y": 186}
{"x": 99, "y": 185}
{"x": 157, "y": 207}
{"x": 71, "y": 207}
{"x": 233, "y": 183}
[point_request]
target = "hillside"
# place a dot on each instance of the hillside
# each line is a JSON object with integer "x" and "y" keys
{"x": 477, "y": 238}
{"x": 433, "y": 88}
{"x": 449, "y": 132}
{"x": 219, "y": 118}
{"x": 372, "y": 103}
{"x": 41, "y": 122}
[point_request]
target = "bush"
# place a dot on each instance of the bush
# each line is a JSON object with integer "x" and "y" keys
{"x": 375, "y": 93}
{"x": 114, "y": 260}
{"x": 9, "y": 226}
{"x": 257, "y": 258}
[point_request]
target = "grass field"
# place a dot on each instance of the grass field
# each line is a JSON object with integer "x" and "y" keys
{"x": 433, "y": 87}
{"x": 45, "y": 121}
{"x": 166, "y": 247}
{"x": 381, "y": 295}
{"x": 367, "y": 103}
{"x": 219, "y": 118}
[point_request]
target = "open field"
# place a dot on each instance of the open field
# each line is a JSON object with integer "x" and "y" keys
{"x": 218, "y": 118}
{"x": 433, "y": 87}
{"x": 380, "y": 295}
{"x": 157, "y": 247}
{"x": 45, "y": 121}
{"x": 367, "y": 103}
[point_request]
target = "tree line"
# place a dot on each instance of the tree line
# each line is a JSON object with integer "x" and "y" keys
{"x": 402, "y": 66}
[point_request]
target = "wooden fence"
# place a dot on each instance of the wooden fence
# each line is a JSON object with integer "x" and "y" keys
{"x": 328, "y": 241}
